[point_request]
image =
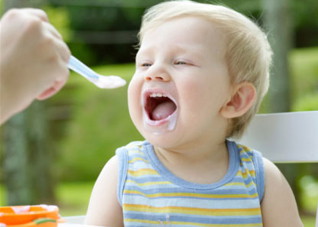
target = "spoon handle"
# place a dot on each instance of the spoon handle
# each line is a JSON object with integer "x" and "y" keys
{"x": 100, "y": 81}
{"x": 82, "y": 69}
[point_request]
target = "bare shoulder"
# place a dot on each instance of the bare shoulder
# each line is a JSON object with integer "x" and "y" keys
{"x": 104, "y": 208}
{"x": 279, "y": 208}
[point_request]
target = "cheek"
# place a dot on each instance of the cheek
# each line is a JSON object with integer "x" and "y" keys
{"x": 192, "y": 102}
{"x": 200, "y": 98}
{"x": 134, "y": 99}
{"x": 193, "y": 94}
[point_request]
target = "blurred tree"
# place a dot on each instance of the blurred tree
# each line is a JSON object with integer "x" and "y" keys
{"x": 278, "y": 23}
{"x": 28, "y": 178}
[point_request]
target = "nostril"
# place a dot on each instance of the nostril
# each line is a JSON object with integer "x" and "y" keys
{"x": 162, "y": 77}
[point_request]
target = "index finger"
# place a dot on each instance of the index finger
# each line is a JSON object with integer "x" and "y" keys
{"x": 36, "y": 12}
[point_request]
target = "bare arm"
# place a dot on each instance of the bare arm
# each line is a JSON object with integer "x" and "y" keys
{"x": 279, "y": 207}
{"x": 104, "y": 208}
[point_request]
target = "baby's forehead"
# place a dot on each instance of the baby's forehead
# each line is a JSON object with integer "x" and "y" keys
{"x": 151, "y": 26}
{"x": 183, "y": 31}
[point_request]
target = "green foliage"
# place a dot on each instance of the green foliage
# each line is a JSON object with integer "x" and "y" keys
{"x": 1, "y": 7}
{"x": 310, "y": 188}
{"x": 305, "y": 13}
{"x": 2, "y": 195}
{"x": 73, "y": 197}
{"x": 304, "y": 70}
{"x": 59, "y": 18}
{"x": 304, "y": 79}
{"x": 244, "y": 6}
{"x": 308, "y": 221}
{"x": 308, "y": 102}
{"x": 303, "y": 67}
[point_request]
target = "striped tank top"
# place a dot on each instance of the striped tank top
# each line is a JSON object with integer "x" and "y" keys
{"x": 150, "y": 195}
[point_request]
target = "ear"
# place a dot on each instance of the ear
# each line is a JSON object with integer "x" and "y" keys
{"x": 241, "y": 101}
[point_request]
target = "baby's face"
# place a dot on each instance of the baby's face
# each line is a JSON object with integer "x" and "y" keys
{"x": 180, "y": 84}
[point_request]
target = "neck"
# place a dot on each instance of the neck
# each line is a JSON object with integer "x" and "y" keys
{"x": 199, "y": 164}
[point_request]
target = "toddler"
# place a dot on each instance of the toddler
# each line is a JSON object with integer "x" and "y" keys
{"x": 201, "y": 73}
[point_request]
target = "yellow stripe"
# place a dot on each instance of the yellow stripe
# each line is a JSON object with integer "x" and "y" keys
{"x": 193, "y": 210}
{"x": 244, "y": 148}
{"x": 246, "y": 159}
{"x": 142, "y": 172}
{"x": 148, "y": 183}
{"x": 180, "y": 194}
{"x": 246, "y": 173}
{"x": 127, "y": 220}
{"x": 240, "y": 184}
{"x": 138, "y": 159}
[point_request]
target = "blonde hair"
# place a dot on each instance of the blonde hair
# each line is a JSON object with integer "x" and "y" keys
{"x": 248, "y": 51}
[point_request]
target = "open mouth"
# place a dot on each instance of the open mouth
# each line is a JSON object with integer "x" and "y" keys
{"x": 159, "y": 106}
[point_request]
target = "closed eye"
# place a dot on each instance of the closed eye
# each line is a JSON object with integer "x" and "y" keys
{"x": 183, "y": 62}
{"x": 146, "y": 64}
{"x": 180, "y": 63}
{"x": 143, "y": 64}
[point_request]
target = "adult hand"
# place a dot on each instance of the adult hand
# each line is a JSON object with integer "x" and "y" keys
{"x": 33, "y": 60}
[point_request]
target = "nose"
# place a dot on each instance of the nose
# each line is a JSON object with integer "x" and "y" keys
{"x": 157, "y": 75}
{"x": 157, "y": 71}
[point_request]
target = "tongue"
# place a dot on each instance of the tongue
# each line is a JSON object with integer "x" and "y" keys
{"x": 163, "y": 110}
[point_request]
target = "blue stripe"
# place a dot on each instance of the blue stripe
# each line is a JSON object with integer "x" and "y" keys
{"x": 182, "y": 190}
{"x": 195, "y": 218}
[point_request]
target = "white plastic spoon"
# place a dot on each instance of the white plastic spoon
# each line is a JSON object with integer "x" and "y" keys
{"x": 100, "y": 81}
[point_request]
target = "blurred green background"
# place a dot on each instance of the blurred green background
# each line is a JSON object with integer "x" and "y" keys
{"x": 84, "y": 125}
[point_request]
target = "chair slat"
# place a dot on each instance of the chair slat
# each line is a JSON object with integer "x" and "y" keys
{"x": 284, "y": 137}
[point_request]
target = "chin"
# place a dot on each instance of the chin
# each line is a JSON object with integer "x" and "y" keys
{"x": 159, "y": 138}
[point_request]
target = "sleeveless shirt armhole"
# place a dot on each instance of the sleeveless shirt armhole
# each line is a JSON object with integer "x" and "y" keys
{"x": 260, "y": 174}
{"x": 121, "y": 153}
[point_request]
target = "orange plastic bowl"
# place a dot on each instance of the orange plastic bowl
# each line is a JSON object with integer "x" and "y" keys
{"x": 28, "y": 216}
